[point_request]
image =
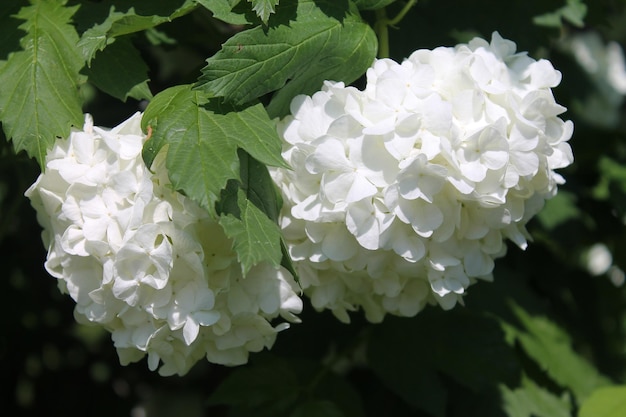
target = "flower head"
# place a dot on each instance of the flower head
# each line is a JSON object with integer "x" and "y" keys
{"x": 401, "y": 195}
{"x": 148, "y": 263}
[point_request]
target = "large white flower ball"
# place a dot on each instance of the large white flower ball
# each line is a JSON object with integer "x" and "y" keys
{"x": 147, "y": 263}
{"x": 403, "y": 194}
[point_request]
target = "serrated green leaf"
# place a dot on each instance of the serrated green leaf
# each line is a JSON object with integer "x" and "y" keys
{"x": 203, "y": 136}
{"x": 550, "y": 347}
{"x": 259, "y": 189}
{"x": 264, "y": 8}
{"x": 293, "y": 57}
{"x": 258, "y": 186}
{"x": 39, "y": 99}
{"x": 223, "y": 10}
{"x": 122, "y": 20}
{"x": 531, "y": 400}
{"x": 260, "y": 243}
{"x": 605, "y": 402}
{"x": 200, "y": 159}
{"x": 120, "y": 71}
{"x": 256, "y": 238}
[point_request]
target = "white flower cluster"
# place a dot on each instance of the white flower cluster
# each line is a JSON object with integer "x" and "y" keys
{"x": 402, "y": 195}
{"x": 147, "y": 263}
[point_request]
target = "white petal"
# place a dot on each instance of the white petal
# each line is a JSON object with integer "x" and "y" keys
{"x": 338, "y": 244}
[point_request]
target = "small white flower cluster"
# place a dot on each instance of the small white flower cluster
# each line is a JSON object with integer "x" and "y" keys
{"x": 402, "y": 195}
{"x": 147, "y": 263}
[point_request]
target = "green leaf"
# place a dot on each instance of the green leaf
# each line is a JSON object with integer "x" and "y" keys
{"x": 531, "y": 400}
{"x": 317, "y": 408}
{"x": 225, "y": 11}
{"x": 259, "y": 189}
{"x": 39, "y": 99}
{"x": 199, "y": 158}
{"x": 550, "y": 347}
{"x": 259, "y": 186}
{"x": 203, "y": 136}
{"x": 294, "y": 57}
{"x": 264, "y": 8}
{"x": 122, "y": 20}
{"x": 605, "y": 402}
{"x": 256, "y": 238}
{"x": 573, "y": 12}
{"x": 120, "y": 71}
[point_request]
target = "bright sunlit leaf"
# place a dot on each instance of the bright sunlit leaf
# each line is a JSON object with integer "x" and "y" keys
{"x": 122, "y": 20}
{"x": 264, "y": 8}
{"x": 294, "y": 57}
{"x": 550, "y": 347}
{"x": 605, "y": 402}
{"x": 531, "y": 400}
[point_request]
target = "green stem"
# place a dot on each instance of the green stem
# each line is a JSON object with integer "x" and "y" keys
{"x": 382, "y": 32}
{"x": 382, "y": 26}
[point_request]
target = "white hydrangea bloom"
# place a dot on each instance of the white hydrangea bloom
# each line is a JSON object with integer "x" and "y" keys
{"x": 147, "y": 263}
{"x": 402, "y": 195}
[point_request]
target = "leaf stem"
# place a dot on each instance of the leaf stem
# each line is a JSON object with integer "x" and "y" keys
{"x": 382, "y": 26}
